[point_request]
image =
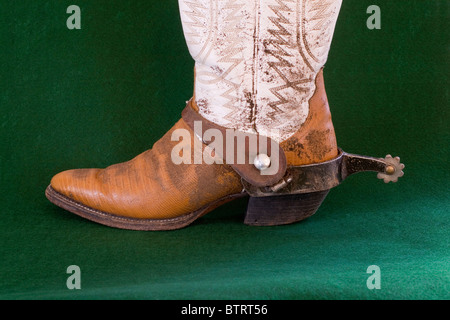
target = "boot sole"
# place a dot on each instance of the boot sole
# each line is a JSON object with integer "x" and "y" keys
{"x": 115, "y": 221}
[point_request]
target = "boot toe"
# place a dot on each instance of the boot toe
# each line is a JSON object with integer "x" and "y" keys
{"x": 76, "y": 184}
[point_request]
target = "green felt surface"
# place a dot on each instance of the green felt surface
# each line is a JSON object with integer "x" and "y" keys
{"x": 105, "y": 93}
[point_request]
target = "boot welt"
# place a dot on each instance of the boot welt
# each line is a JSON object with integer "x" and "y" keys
{"x": 115, "y": 221}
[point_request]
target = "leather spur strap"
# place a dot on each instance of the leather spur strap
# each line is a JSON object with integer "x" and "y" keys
{"x": 239, "y": 150}
{"x": 280, "y": 180}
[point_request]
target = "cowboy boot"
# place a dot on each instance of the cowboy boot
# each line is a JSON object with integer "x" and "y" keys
{"x": 258, "y": 75}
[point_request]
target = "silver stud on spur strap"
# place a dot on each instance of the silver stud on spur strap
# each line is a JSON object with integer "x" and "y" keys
{"x": 262, "y": 161}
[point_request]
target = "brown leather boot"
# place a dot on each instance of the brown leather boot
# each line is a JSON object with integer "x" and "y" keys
{"x": 150, "y": 192}
{"x": 256, "y": 72}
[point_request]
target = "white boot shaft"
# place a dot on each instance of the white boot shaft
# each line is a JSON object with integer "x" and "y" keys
{"x": 256, "y": 60}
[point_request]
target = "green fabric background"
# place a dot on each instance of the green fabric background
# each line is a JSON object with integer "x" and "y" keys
{"x": 105, "y": 93}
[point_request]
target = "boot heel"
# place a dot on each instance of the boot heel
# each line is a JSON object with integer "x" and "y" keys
{"x": 283, "y": 209}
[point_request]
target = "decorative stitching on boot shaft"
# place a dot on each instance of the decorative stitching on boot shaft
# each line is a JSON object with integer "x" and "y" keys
{"x": 256, "y": 60}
